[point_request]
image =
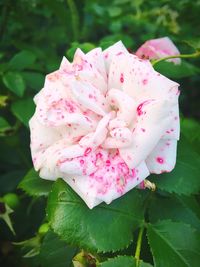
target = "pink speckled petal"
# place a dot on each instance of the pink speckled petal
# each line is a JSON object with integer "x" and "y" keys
{"x": 97, "y": 138}
{"x": 153, "y": 119}
{"x": 116, "y": 123}
{"x": 163, "y": 157}
{"x": 80, "y": 185}
{"x": 121, "y": 137}
{"x": 112, "y": 142}
{"x": 96, "y": 58}
{"x": 40, "y": 142}
{"x": 159, "y": 48}
{"x": 116, "y": 49}
{"x": 123, "y": 103}
{"x": 140, "y": 80}
{"x": 62, "y": 160}
{"x": 173, "y": 131}
{"x": 86, "y": 69}
{"x": 65, "y": 65}
{"x": 108, "y": 182}
{"x": 90, "y": 97}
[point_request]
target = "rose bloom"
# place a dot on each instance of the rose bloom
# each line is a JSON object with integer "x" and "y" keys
{"x": 159, "y": 48}
{"x": 104, "y": 122}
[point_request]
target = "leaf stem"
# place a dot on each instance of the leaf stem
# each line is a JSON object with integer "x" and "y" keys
{"x": 74, "y": 18}
{"x": 138, "y": 246}
{"x": 194, "y": 55}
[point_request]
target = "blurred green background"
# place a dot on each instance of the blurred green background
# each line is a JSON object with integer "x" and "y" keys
{"x": 35, "y": 34}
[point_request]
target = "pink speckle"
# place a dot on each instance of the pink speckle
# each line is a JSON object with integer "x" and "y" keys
{"x": 145, "y": 81}
{"x": 139, "y": 108}
{"x": 90, "y": 96}
{"x": 160, "y": 160}
{"x": 120, "y": 53}
{"x": 87, "y": 119}
{"x": 87, "y": 151}
{"x": 143, "y": 130}
{"x": 81, "y": 161}
{"x": 133, "y": 172}
{"x": 70, "y": 106}
{"x": 99, "y": 155}
{"x": 108, "y": 163}
{"x": 122, "y": 78}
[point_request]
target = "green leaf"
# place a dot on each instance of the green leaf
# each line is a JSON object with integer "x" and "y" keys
{"x": 22, "y": 60}
{"x": 169, "y": 69}
{"x": 14, "y": 82}
{"x": 125, "y": 261}
{"x": 174, "y": 244}
{"x": 194, "y": 43}
{"x": 114, "y": 11}
{"x": 33, "y": 185}
{"x": 23, "y": 110}
{"x": 33, "y": 80}
{"x": 184, "y": 179}
{"x": 191, "y": 129}
{"x": 10, "y": 180}
{"x": 97, "y": 229}
{"x": 174, "y": 208}
{"x": 55, "y": 252}
{"x": 119, "y": 262}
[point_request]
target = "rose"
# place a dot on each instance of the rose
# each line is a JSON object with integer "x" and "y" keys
{"x": 159, "y": 48}
{"x": 104, "y": 123}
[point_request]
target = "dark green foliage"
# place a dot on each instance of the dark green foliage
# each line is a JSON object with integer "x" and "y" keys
{"x": 99, "y": 228}
{"x": 35, "y": 35}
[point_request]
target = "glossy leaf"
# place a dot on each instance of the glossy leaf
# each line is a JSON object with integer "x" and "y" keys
{"x": 34, "y": 80}
{"x": 14, "y": 82}
{"x": 104, "y": 228}
{"x": 174, "y": 244}
{"x": 175, "y": 208}
{"x": 173, "y": 71}
{"x": 22, "y": 60}
{"x": 33, "y": 185}
{"x": 23, "y": 110}
{"x": 120, "y": 261}
{"x": 191, "y": 129}
{"x": 55, "y": 252}
{"x": 194, "y": 43}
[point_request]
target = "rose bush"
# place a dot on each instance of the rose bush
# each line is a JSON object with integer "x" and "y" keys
{"x": 105, "y": 122}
